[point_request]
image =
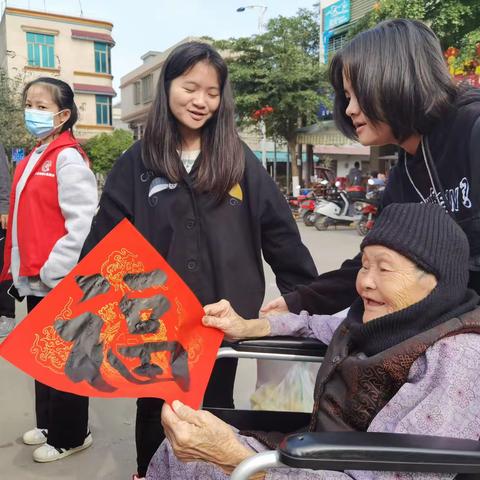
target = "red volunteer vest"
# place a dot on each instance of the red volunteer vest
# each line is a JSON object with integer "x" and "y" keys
{"x": 40, "y": 223}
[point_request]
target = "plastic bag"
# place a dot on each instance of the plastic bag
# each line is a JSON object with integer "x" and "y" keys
{"x": 293, "y": 393}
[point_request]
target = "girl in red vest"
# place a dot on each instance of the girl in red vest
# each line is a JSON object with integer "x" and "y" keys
{"x": 53, "y": 200}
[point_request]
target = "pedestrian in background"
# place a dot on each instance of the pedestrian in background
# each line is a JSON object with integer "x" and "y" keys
{"x": 53, "y": 200}
{"x": 384, "y": 98}
{"x": 354, "y": 176}
{"x": 203, "y": 200}
{"x": 7, "y": 303}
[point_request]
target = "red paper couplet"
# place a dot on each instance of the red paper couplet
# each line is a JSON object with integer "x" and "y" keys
{"x": 121, "y": 324}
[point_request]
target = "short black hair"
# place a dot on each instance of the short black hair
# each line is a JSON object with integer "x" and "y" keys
{"x": 356, "y": 164}
{"x": 399, "y": 76}
{"x": 62, "y": 95}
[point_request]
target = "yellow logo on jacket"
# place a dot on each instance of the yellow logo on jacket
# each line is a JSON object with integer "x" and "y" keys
{"x": 236, "y": 192}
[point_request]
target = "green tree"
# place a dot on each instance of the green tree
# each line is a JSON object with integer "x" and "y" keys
{"x": 12, "y": 125}
{"x": 279, "y": 68}
{"x": 105, "y": 148}
{"x": 456, "y": 22}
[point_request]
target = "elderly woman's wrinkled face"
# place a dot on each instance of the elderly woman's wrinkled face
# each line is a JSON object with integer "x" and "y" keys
{"x": 388, "y": 282}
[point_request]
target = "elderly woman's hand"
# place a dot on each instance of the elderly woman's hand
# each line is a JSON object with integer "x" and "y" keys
{"x": 197, "y": 435}
{"x": 275, "y": 307}
{"x": 221, "y": 315}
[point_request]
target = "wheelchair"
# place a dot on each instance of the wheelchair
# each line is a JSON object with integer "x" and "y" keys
{"x": 338, "y": 450}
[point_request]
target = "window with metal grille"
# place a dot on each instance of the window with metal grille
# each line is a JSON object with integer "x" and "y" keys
{"x": 147, "y": 88}
{"x": 102, "y": 57}
{"x": 40, "y": 50}
{"x": 136, "y": 93}
{"x": 336, "y": 43}
{"x": 104, "y": 109}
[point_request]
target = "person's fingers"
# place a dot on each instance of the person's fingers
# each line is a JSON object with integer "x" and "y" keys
{"x": 219, "y": 308}
{"x": 169, "y": 433}
{"x": 215, "y": 322}
{"x": 278, "y": 304}
{"x": 269, "y": 306}
{"x": 176, "y": 429}
{"x": 168, "y": 417}
{"x": 187, "y": 414}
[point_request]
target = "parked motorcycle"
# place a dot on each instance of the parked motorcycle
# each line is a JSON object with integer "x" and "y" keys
{"x": 308, "y": 209}
{"x": 337, "y": 209}
{"x": 294, "y": 204}
{"x": 370, "y": 208}
{"x": 367, "y": 220}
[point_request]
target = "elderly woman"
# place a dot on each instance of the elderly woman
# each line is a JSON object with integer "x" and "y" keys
{"x": 400, "y": 362}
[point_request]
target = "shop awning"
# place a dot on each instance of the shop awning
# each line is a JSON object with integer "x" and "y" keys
{"x": 322, "y": 133}
{"x": 94, "y": 89}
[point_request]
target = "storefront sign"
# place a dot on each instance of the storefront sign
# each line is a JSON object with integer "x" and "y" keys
{"x": 336, "y": 14}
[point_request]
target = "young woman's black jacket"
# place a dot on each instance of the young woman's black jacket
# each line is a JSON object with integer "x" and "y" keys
{"x": 215, "y": 247}
{"x": 454, "y": 163}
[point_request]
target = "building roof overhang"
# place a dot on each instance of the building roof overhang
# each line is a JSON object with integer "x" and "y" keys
{"x": 94, "y": 89}
{"x": 58, "y": 17}
{"x": 93, "y": 36}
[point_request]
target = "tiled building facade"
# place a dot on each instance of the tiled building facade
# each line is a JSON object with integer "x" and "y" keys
{"x": 74, "y": 49}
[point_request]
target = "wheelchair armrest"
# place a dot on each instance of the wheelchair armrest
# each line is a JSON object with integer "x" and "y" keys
{"x": 290, "y": 345}
{"x": 380, "y": 451}
{"x": 276, "y": 348}
{"x": 368, "y": 451}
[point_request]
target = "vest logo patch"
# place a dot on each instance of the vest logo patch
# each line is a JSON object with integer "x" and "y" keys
{"x": 47, "y": 165}
{"x": 45, "y": 170}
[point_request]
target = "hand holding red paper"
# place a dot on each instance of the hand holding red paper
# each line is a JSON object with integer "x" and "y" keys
{"x": 221, "y": 315}
{"x": 197, "y": 435}
{"x": 121, "y": 324}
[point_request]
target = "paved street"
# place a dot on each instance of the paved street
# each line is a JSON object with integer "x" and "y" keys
{"x": 112, "y": 455}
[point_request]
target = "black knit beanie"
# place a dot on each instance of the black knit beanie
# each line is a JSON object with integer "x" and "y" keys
{"x": 427, "y": 235}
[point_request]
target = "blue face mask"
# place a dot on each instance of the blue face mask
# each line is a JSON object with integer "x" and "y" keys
{"x": 39, "y": 122}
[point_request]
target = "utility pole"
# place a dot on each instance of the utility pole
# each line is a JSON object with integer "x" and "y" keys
{"x": 262, "y": 9}
{"x": 261, "y": 15}
{"x": 321, "y": 49}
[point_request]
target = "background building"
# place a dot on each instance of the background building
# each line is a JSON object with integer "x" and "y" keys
{"x": 117, "y": 121}
{"x": 75, "y": 49}
{"x": 138, "y": 88}
{"x": 336, "y": 17}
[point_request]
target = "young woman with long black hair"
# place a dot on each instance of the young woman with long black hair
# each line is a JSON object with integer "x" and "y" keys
{"x": 201, "y": 197}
